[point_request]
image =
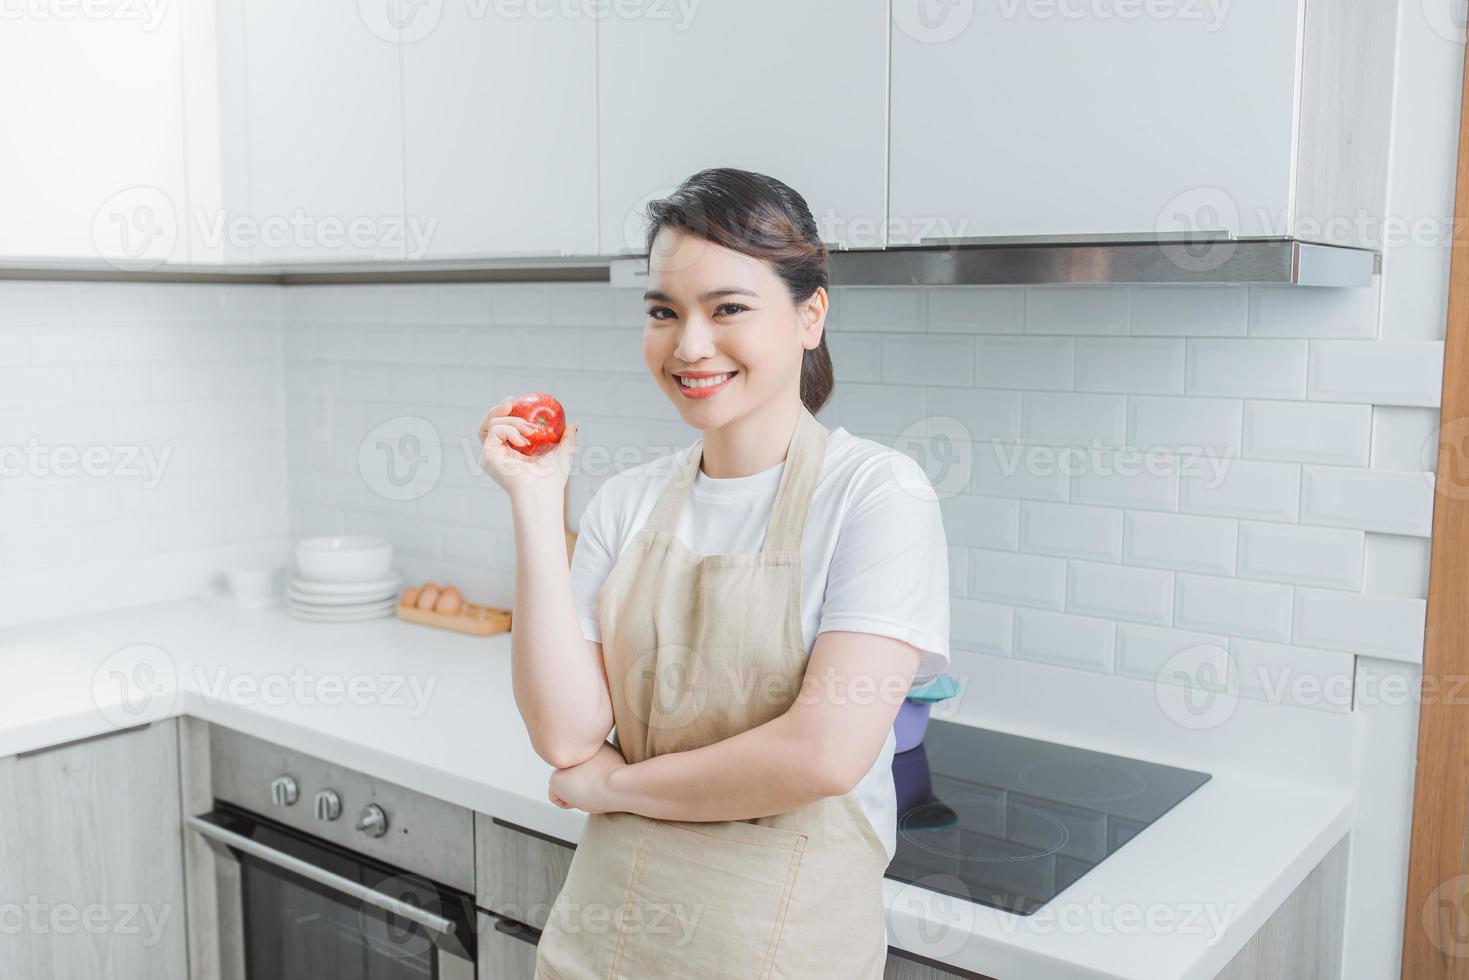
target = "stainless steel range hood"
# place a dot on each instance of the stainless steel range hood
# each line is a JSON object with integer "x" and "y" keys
{"x": 1107, "y": 261}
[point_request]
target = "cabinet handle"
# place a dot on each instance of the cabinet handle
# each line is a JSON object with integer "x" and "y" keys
{"x": 518, "y": 930}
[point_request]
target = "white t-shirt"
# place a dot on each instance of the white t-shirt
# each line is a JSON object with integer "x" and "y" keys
{"x": 874, "y": 558}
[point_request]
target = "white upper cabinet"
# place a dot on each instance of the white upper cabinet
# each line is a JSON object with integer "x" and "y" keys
{"x": 323, "y": 137}
{"x": 1032, "y": 117}
{"x": 500, "y": 131}
{"x": 797, "y": 91}
{"x": 92, "y": 119}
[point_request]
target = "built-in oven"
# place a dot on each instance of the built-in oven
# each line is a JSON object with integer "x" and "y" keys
{"x": 325, "y": 873}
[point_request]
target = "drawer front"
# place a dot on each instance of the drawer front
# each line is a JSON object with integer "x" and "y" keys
{"x": 902, "y": 965}
{"x": 507, "y": 950}
{"x": 518, "y": 872}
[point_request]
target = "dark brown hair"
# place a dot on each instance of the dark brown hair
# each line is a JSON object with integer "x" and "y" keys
{"x": 761, "y": 217}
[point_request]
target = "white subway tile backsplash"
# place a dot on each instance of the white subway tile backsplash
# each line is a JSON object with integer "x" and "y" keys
{"x": 1189, "y": 311}
{"x": 1018, "y": 579}
{"x": 1377, "y": 372}
{"x": 879, "y": 309}
{"x": 1397, "y": 565}
{"x": 521, "y": 305}
{"x": 1070, "y": 530}
{"x": 984, "y": 415}
{"x": 1221, "y": 605}
{"x": 1065, "y": 640}
{"x": 854, "y": 356}
{"x": 1008, "y": 469}
{"x": 1307, "y": 432}
{"x": 1404, "y": 438}
{"x": 981, "y": 522}
{"x": 1077, "y": 310}
{"x": 1248, "y": 368}
{"x": 1152, "y": 653}
{"x": 1300, "y": 555}
{"x": 976, "y": 309}
{"x": 881, "y": 409}
{"x": 1372, "y": 625}
{"x": 1127, "y": 478}
{"x": 982, "y": 626}
{"x": 1200, "y": 426}
{"x": 938, "y": 360}
{"x": 1024, "y": 362}
{"x": 1280, "y": 674}
{"x": 1067, "y": 419}
{"x": 1130, "y": 365}
{"x": 1241, "y": 488}
{"x": 1390, "y": 501}
{"x": 1306, "y": 311}
{"x": 1120, "y": 592}
{"x": 1178, "y": 541}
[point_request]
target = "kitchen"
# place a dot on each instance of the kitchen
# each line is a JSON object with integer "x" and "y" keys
{"x": 1157, "y": 295}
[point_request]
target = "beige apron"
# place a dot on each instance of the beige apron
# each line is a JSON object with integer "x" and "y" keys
{"x": 699, "y": 648}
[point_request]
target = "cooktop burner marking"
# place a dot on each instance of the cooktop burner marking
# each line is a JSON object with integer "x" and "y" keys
{"x": 926, "y": 839}
{"x": 1082, "y": 782}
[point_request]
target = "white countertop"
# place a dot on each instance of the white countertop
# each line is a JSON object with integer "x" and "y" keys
{"x": 433, "y": 710}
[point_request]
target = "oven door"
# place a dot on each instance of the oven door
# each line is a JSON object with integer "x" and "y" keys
{"x": 293, "y": 907}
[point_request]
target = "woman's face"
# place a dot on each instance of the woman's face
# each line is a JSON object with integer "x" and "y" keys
{"x": 712, "y": 310}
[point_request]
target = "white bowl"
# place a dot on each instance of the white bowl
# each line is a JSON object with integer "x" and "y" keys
{"x": 349, "y": 558}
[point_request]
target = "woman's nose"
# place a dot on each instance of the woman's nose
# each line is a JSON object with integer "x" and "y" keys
{"x": 696, "y": 342}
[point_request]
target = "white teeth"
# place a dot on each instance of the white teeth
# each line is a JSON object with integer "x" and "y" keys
{"x": 705, "y": 382}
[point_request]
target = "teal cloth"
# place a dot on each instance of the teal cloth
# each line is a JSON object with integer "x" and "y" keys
{"x": 941, "y": 688}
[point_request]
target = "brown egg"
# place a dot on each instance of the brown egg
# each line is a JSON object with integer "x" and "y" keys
{"x": 410, "y": 597}
{"x": 449, "y": 602}
{"x": 428, "y": 595}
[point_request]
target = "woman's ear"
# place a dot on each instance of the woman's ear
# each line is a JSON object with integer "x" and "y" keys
{"x": 812, "y": 314}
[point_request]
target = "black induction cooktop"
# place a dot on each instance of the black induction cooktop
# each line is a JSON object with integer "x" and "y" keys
{"x": 1010, "y": 822}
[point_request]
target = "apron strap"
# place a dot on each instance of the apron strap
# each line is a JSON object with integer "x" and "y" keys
{"x": 805, "y": 456}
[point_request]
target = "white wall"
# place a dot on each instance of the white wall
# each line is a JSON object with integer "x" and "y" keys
{"x": 141, "y": 432}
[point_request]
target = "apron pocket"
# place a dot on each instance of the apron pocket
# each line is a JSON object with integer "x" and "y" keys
{"x": 708, "y": 900}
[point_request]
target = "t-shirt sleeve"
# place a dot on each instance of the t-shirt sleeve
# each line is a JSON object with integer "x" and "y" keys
{"x": 889, "y": 574}
{"x": 592, "y": 561}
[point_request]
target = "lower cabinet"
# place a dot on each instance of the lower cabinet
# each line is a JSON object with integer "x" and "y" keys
{"x": 507, "y": 949}
{"x": 91, "y": 864}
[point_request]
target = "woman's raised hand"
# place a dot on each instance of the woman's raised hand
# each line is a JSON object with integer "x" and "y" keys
{"x": 516, "y": 472}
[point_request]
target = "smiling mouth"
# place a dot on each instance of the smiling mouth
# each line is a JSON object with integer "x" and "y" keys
{"x": 694, "y": 384}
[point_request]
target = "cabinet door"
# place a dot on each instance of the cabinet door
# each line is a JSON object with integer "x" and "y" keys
{"x": 325, "y": 141}
{"x": 91, "y": 844}
{"x": 795, "y": 90}
{"x": 500, "y": 133}
{"x": 93, "y": 124}
{"x": 1030, "y": 117}
{"x": 507, "y": 949}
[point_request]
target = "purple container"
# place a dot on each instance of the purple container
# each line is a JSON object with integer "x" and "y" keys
{"x": 911, "y": 723}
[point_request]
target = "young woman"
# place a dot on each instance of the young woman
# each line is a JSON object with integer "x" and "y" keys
{"x": 753, "y": 610}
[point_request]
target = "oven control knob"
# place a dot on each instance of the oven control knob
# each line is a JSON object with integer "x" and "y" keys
{"x": 283, "y": 791}
{"x": 327, "y": 805}
{"x": 372, "y": 821}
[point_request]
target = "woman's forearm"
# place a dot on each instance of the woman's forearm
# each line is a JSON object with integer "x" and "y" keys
{"x": 560, "y": 689}
{"x": 771, "y": 768}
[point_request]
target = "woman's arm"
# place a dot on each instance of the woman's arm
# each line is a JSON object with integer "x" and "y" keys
{"x": 560, "y": 686}
{"x": 821, "y": 746}
{"x": 559, "y": 680}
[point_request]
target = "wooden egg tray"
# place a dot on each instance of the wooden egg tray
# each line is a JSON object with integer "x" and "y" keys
{"x": 471, "y": 618}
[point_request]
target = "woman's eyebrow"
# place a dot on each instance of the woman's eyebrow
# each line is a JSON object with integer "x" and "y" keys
{"x": 654, "y": 294}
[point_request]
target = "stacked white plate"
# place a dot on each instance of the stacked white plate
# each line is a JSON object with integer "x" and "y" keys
{"x": 343, "y": 579}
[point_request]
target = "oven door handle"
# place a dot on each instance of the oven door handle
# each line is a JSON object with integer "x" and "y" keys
{"x": 434, "y": 923}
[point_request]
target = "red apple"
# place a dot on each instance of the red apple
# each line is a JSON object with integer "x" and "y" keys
{"x": 548, "y": 417}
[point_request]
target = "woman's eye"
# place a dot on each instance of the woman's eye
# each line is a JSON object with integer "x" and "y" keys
{"x": 733, "y": 308}
{"x": 657, "y": 312}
